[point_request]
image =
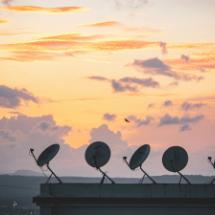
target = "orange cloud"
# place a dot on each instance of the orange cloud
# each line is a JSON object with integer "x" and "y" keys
{"x": 3, "y": 21}
{"x": 73, "y": 36}
{"x": 51, "y": 47}
{"x": 25, "y": 8}
{"x": 140, "y": 31}
{"x": 56, "y": 42}
{"x": 117, "y": 45}
{"x": 195, "y": 64}
{"x": 69, "y": 45}
{"x": 104, "y": 24}
{"x": 34, "y": 55}
{"x": 48, "y": 48}
{"x": 192, "y": 46}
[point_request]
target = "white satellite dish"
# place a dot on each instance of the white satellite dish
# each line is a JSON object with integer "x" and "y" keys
{"x": 137, "y": 160}
{"x": 45, "y": 157}
{"x": 97, "y": 155}
{"x": 175, "y": 159}
{"x": 213, "y": 165}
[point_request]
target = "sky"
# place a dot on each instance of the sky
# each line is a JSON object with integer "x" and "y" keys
{"x": 72, "y": 71}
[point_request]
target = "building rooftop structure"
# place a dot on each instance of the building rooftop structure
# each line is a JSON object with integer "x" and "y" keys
{"x": 126, "y": 199}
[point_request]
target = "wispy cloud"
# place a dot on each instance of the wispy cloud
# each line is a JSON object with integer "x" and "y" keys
{"x": 128, "y": 84}
{"x": 167, "y": 103}
{"x": 48, "y": 48}
{"x": 118, "y": 45}
{"x": 184, "y": 121}
{"x": 65, "y": 45}
{"x": 12, "y": 98}
{"x": 203, "y": 63}
{"x": 71, "y": 37}
{"x": 186, "y": 106}
{"x": 98, "y": 78}
{"x": 140, "y": 121}
{"x": 192, "y": 45}
{"x": 109, "y": 117}
{"x": 158, "y": 67}
{"x": 145, "y": 82}
{"x": 185, "y": 58}
{"x": 7, "y": 2}
{"x": 28, "y": 8}
{"x": 163, "y": 46}
{"x": 104, "y": 24}
{"x": 117, "y": 86}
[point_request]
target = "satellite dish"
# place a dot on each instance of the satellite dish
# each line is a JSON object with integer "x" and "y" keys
{"x": 212, "y": 162}
{"x": 45, "y": 157}
{"x": 175, "y": 159}
{"x": 137, "y": 160}
{"x": 139, "y": 156}
{"x": 48, "y": 154}
{"x": 97, "y": 155}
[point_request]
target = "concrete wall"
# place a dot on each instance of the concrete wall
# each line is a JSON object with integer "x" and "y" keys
{"x": 134, "y": 199}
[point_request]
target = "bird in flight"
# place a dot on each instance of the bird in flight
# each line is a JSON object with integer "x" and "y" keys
{"x": 126, "y": 120}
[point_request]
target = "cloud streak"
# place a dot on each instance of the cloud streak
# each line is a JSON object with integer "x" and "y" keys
{"x": 128, "y": 84}
{"x": 186, "y": 106}
{"x": 7, "y": 2}
{"x": 34, "y": 9}
{"x": 12, "y": 98}
{"x": 109, "y": 117}
{"x": 163, "y": 46}
{"x": 184, "y": 121}
{"x": 119, "y": 45}
{"x": 104, "y": 24}
{"x": 158, "y": 67}
{"x": 140, "y": 121}
{"x": 65, "y": 45}
{"x": 167, "y": 103}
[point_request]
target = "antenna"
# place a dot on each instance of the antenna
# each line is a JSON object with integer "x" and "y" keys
{"x": 137, "y": 160}
{"x": 97, "y": 155}
{"x": 45, "y": 157}
{"x": 212, "y": 162}
{"x": 175, "y": 159}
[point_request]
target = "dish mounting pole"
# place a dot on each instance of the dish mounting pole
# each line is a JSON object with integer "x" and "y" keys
{"x": 52, "y": 173}
{"x": 183, "y": 177}
{"x": 146, "y": 174}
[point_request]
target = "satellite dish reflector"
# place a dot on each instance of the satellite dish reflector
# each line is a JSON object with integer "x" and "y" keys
{"x": 45, "y": 157}
{"x": 212, "y": 162}
{"x": 48, "y": 154}
{"x": 137, "y": 160}
{"x": 139, "y": 156}
{"x": 97, "y": 155}
{"x": 175, "y": 159}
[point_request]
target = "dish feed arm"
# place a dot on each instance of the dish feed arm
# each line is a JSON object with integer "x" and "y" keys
{"x": 125, "y": 160}
{"x": 33, "y": 155}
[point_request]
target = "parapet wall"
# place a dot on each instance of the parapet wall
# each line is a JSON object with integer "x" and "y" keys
{"x": 135, "y": 199}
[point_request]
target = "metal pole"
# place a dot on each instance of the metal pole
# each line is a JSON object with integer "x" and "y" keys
{"x": 59, "y": 180}
{"x": 186, "y": 179}
{"x": 153, "y": 181}
{"x": 142, "y": 179}
{"x": 105, "y": 175}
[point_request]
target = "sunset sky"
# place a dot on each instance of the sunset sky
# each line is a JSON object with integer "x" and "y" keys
{"x": 72, "y": 71}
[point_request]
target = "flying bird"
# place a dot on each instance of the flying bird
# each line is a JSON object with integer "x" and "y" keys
{"x": 126, "y": 120}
